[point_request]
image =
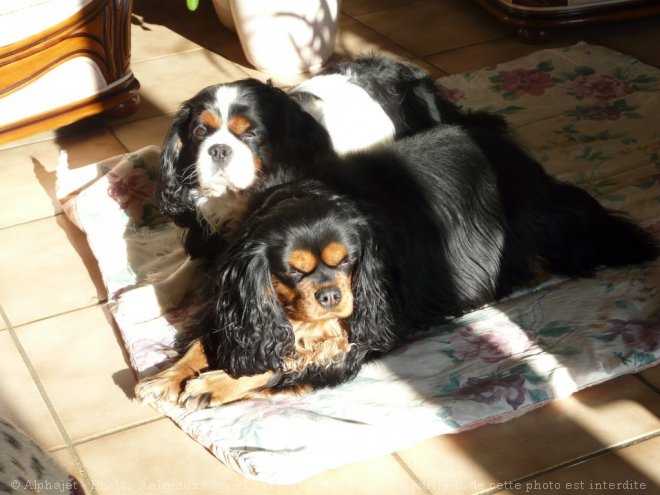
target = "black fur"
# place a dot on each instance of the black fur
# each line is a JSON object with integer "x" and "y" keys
{"x": 290, "y": 142}
{"x": 287, "y": 141}
{"x": 404, "y": 91}
{"x": 438, "y": 224}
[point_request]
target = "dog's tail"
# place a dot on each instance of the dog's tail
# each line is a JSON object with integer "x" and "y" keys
{"x": 623, "y": 242}
{"x": 591, "y": 236}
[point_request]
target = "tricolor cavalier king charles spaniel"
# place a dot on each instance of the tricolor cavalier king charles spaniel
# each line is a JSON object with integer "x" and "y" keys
{"x": 233, "y": 140}
{"x": 329, "y": 271}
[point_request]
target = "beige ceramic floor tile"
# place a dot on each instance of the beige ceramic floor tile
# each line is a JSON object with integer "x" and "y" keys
{"x": 152, "y": 36}
{"x": 20, "y": 400}
{"x": 563, "y": 430}
{"x": 355, "y": 38}
{"x": 652, "y": 375}
{"x": 141, "y": 133}
{"x": 631, "y": 470}
{"x": 280, "y": 80}
{"x": 490, "y": 53}
{"x": 356, "y": 7}
{"x": 426, "y": 27}
{"x": 170, "y": 80}
{"x": 79, "y": 360}
{"x": 161, "y": 454}
{"x": 27, "y": 174}
{"x": 172, "y": 30}
{"x": 46, "y": 268}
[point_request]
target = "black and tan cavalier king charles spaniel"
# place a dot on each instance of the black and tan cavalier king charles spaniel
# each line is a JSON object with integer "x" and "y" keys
{"x": 233, "y": 140}
{"x": 328, "y": 272}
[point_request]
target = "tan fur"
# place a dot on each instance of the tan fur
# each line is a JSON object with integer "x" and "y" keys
{"x": 238, "y": 124}
{"x": 210, "y": 119}
{"x": 300, "y": 304}
{"x": 302, "y": 260}
{"x": 286, "y": 294}
{"x": 333, "y": 254}
{"x": 322, "y": 343}
{"x": 168, "y": 384}
{"x": 539, "y": 274}
{"x": 215, "y": 388}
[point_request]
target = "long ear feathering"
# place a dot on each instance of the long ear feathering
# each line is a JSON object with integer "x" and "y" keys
{"x": 173, "y": 186}
{"x": 372, "y": 324}
{"x": 247, "y": 329}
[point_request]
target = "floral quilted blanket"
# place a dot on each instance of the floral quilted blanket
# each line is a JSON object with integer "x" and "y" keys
{"x": 592, "y": 117}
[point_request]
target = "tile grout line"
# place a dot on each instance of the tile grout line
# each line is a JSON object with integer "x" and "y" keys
{"x": 82, "y": 473}
{"x": 409, "y": 471}
{"x": 35, "y": 220}
{"x": 468, "y": 45}
{"x": 578, "y": 460}
{"x": 414, "y": 55}
{"x": 121, "y": 429}
{"x": 113, "y": 125}
{"x": 114, "y": 135}
{"x": 99, "y": 303}
{"x": 165, "y": 55}
{"x": 647, "y": 383}
{"x": 5, "y": 318}
{"x": 420, "y": 55}
{"x": 379, "y": 9}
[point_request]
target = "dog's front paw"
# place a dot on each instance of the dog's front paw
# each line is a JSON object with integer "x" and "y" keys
{"x": 215, "y": 388}
{"x": 210, "y": 389}
{"x": 166, "y": 386}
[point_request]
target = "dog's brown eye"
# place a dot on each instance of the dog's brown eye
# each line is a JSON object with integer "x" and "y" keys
{"x": 248, "y": 135}
{"x": 345, "y": 264}
{"x": 199, "y": 131}
{"x": 296, "y": 275}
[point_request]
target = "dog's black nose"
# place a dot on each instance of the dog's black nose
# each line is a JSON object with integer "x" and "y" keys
{"x": 328, "y": 297}
{"x": 220, "y": 153}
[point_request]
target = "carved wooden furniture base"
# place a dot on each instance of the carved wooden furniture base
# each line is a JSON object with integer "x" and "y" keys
{"x": 537, "y": 20}
{"x": 87, "y": 54}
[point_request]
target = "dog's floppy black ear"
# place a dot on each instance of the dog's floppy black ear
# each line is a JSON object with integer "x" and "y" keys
{"x": 298, "y": 134}
{"x": 175, "y": 170}
{"x": 372, "y": 322}
{"x": 250, "y": 332}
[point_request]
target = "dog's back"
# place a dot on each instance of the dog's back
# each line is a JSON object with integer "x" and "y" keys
{"x": 571, "y": 233}
{"x": 466, "y": 217}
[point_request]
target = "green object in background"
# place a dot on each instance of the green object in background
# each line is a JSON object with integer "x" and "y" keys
{"x": 192, "y": 4}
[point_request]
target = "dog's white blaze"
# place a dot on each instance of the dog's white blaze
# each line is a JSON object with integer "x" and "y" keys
{"x": 240, "y": 172}
{"x": 352, "y": 118}
{"x": 225, "y": 96}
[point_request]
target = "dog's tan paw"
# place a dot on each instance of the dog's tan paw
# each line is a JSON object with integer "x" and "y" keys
{"x": 163, "y": 387}
{"x": 210, "y": 389}
{"x": 216, "y": 388}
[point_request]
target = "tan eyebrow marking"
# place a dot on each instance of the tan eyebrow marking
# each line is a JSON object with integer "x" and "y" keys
{"x": 210, "y": 119}
{"x": 238, "y": 124}
{"x": 302, "y": 260}
{"x": 333, "y": 254}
